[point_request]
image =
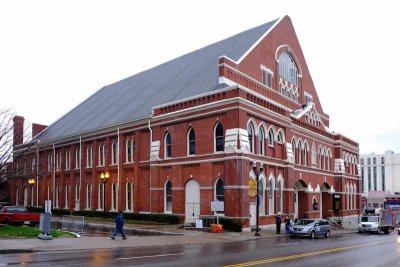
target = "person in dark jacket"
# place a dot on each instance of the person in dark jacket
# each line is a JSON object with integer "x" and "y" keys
{"x": 278, "y": 221}
{"x": 119, "y": 226}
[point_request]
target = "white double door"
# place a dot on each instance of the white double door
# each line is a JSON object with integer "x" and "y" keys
{"x": 192, "y": 205}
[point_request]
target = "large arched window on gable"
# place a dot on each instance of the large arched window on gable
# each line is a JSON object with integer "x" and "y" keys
{"x": 168, "y": 197}
{"x": 250, "y": 132}
{"x": 261, "y": 194}
{"x": 167, "y": 145}
{"x": 219, "y": 192}
{"x": 191, "y": 142}
{"x": 219, "y": 138}
{"x": 288, "y": 69}
{"x": 261, "y": 141}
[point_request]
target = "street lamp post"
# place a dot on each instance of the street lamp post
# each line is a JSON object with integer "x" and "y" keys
{"x": 31, "y": 182}
{"x": 258, "y": 194}
{"x": 104, "y": 178}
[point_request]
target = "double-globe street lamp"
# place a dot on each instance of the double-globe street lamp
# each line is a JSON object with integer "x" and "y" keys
{"x": 258, "y": 193}
{"x": 104, "y": 178}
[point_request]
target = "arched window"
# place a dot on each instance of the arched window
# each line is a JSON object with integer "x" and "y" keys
{"x": 77, "y": 191}
{"x": 288, "y": 68}
{"x": 56, "y": 201}
{"x": 219, "y": 192}
{"x": 261, "y": 141}
{"x": 219, "y": 138}
{"x": 261, "y": 195}
{"x": 88, "y": 195}
{"x": 280, "y": 195}
{"x": 67, "y": 188}
{"x": 17, "y": 196}
{"x": 305, "y": 154}
{"x": 294, "y": 150}
{"x": 128, "y": 197}
{"x": 280, "y": 138}
{"x": 113, "y": 197}
{"x": 100, "y": 197}
{"x": 67, "y": 159}
{"x": 192, "y": 142}
{"x": 130, "y": 150}
{"x": 351, "y": 196}
{"x": 271, "y": 191}
{"x": 77, "y": 158}
{"x": 348, "y": 196}
{"x": 168, "y": 197}
{"x": 299, "y": 152}
{"x": 250, "y": 132}
{"x": 102, "y": 154}
{"x": 355, "y": 197}
{"x": 167, "y": 145}
{"x": 89, "y": 156}
{"x": 114, "y": 153}
{"x": 271, "y": 137}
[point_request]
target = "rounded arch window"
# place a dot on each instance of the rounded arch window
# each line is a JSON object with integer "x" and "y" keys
{"x": 288, "y": 69}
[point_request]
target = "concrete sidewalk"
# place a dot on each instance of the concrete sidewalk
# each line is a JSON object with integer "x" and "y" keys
{"x": 180, "y": 236}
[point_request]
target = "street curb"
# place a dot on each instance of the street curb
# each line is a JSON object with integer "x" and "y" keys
{"x": 14, "y": 251}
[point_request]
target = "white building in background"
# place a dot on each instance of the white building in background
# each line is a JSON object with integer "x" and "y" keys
{"x": 380, "y": 172}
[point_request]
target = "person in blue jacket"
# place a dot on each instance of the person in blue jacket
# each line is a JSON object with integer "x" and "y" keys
{"x": 119, "y": 226}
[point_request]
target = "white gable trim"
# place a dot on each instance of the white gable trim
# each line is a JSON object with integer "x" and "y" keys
{"x": 259, "y": 40}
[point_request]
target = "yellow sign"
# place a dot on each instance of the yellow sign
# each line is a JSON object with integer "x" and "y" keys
{"x": 252, "y": 188}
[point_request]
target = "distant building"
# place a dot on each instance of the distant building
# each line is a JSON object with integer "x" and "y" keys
{"x": 380, "y": 172}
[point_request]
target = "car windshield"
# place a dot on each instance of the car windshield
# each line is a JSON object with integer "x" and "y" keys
{"x": 370, "y": 219}
{"x": 305, "y": 222}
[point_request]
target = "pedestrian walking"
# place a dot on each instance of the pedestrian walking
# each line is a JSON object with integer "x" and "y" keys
{"x": 119, "y": 226}
{"x": 278, "y": 221}
{"x": 287, "y": 225}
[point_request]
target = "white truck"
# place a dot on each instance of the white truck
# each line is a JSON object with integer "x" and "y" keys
{"x": 382, "y": 221}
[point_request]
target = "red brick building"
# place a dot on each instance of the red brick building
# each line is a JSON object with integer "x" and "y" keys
{"x": 186, "y": 132}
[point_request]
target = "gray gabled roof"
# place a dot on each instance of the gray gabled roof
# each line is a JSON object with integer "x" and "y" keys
{"x": 132, "y": 98}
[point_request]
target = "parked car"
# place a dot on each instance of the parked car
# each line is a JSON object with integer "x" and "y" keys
{"x": 311, "y": 228}
{"x": 18, "y": 215}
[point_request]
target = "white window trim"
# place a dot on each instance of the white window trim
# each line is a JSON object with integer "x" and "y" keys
{"x": 215, "y": 138}
{"x": 165, "y": 198}
{"x": 165, "y": 145}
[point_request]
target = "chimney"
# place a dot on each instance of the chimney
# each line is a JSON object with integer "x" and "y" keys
{"x": 37, "y": 129}
{"x": 18, "y": 130}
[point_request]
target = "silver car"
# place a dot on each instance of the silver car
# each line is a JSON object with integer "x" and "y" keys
{"x": 311, "y": 228}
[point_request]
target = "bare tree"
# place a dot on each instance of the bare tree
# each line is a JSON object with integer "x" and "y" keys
{"x": 7, "y": 156}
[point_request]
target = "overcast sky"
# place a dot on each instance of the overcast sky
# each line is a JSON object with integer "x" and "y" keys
{"x": 55, "y": 54}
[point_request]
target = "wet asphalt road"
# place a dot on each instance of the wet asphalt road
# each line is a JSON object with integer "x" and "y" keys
{"x": 339, "y": 250}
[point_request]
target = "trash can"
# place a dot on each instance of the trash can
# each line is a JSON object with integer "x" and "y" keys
{"x": 216, "y": 228}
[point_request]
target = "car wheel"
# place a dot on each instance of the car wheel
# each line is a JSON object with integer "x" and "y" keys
{"x": 359, "y": 231}
{"x": 328, "y": 234}
{"x": 312, "y": 235}
{"x": 6, "y": 221}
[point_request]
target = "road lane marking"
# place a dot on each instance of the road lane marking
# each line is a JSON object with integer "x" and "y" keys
{"x": 150, "y": 256}
{"x": 308, "y": 254}
{"x": 290, "y": 243}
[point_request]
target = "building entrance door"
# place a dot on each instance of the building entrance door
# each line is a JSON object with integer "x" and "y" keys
{"x": 192, "y": 204}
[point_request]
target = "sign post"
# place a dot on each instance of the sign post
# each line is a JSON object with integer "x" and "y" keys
{"x": 217, "y": 206}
